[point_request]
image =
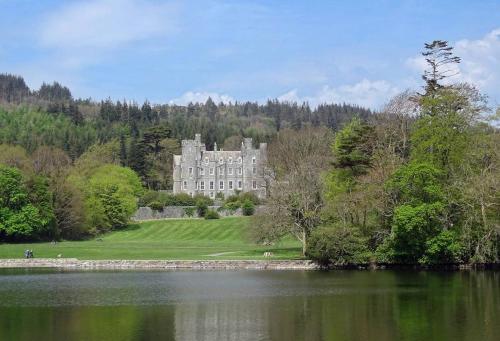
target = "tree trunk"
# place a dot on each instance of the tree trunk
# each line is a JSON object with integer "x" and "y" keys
{"x": 304, "y": 243}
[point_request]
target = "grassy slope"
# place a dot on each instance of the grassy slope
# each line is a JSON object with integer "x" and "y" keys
{"x": 164, "y": 239}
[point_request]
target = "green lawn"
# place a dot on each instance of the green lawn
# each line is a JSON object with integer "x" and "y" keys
{"x": 224, "y": 238}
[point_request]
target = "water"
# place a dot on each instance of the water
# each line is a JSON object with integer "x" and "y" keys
{"x": 249, "y": 305}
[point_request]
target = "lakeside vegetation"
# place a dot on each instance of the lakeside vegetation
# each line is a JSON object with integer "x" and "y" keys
{"x": 189, "y": 239}
{"x": 416, "y": 183}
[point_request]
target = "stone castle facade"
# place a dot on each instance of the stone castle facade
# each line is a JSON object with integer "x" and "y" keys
{"x": 199, "y": 171}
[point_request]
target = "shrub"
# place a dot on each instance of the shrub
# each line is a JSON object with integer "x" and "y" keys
{"x": 249, "y": 196}
{"x": 156, "y": 206}
{"x": 248, "y": 208}
{"x": 148, "y": 198}
{"x": 183, "y": 199}
{"x": 212, "y": 214}
{"x": 232, "y": 198}
{"x": 338, "y": 246}
{"x": 205, "y": 199}
{"x": 232, "y": 206}
{"x": 201, "y": 208}
{"x": 189, "y": 211}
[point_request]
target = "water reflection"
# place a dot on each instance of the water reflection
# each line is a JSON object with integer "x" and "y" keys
{"x": 249, "y": 305}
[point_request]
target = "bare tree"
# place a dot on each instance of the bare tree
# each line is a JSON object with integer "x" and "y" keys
{"x": 393, "y": 124}
{"x": 298, "y": 160}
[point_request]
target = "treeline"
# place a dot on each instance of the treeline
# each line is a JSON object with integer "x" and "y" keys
{"x": 72, "y": 168}
{"x": 418, "y": 183}
{"x": 148, "y": 134}
{"x": 46, "y": 196}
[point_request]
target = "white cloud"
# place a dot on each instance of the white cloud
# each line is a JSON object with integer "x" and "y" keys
{"x": 81, "y": 30}
{"x": 480, "y": 63}
{"x": 366, "y": 93}
{"x": 201, "y": 97}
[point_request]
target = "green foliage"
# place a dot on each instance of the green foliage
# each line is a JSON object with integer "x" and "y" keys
{"x": 30, "y": 129}
{"x": 244, "y": 200}
{"x": 338, "y": 246}
{"x": 416, "y": 183}
{"x": 412, "y": 228}
{"x": 353, "y": 147}
{"x": 248, "y": 208}
{"x": 111, "y": 193}
{"x": 156, "y": 205}
{"x": 231, "y": 206}
{"x": 189, "y": 211}
{"x": 25, "y": 209}
{"x": 165, "y": 199}
{"x": 212, "y": 214}
{"x": 445, "y": 248}
{"x": 201, "y": 207}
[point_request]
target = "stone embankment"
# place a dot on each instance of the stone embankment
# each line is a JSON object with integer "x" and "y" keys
{"x": 73, "y": 263}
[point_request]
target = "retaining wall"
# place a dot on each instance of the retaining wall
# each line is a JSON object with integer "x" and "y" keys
{"x": 73, "y": 263}
{"x": 146, "y": 213}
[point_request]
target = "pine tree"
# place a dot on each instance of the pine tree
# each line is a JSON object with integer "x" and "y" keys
{"x": 123, "y": 151}
{"x": 440, "y": 59}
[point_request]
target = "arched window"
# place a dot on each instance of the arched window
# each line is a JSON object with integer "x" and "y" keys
{"x": 230, "y": 160}
{"x": 254, "y": 161}
{"x": 221, "y": 160}
{"x": 206, "y": 160}
{"x": 240, "y": 160}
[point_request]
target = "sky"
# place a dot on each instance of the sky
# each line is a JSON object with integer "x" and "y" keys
{"x": 360, "y": 52}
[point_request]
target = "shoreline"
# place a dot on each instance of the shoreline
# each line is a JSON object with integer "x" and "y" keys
{"x": 304, "y": 264}
{"x": 74, "y": 263}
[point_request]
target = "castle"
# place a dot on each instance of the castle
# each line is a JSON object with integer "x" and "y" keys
{"x": 199, "y": 171}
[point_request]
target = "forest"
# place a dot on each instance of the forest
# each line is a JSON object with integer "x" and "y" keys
{"x": 414, "y": 183}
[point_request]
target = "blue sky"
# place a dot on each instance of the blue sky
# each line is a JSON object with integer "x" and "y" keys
{"x": 361, "y": 52}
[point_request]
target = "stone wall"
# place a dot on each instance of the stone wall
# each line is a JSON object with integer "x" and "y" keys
{"x": 146, "y": 213}
{"x": 73, "y": 263}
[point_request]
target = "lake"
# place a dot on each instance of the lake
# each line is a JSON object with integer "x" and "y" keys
{"x": 249, "y": 305}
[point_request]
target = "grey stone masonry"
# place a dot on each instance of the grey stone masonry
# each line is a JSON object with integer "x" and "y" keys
{"x": 73, "y": 263}
{"x": 198, "y": 171}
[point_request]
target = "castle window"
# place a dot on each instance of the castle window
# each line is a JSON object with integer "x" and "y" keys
{"x": 221, "y": 161}
{"x": 211, "y": 194}
{"x": 254, "y": 184}
{"x": 185, "y": 185}
{"x": 254, "y": 161}
{"x": 221, "y": 171}
{"x": 202, "y": 185}
{"x": 221, "y": 185}
{"x": 239, "y": 184}
{"x": 254, "y": 170}
{"x": 230, "y": 184}
{"x": 211, "y": 185}
{"x": 240, "y": 171}
{"x": 206, "y": 160}
{"x": 202, "y": 171}
{"x": 190, "y": 170}
{"x": 230, "y": 160}
{"x": 230, "y": 171}
{"x": 211, "y": 171}
{"x": 240, "y": 160}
